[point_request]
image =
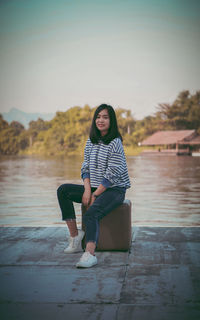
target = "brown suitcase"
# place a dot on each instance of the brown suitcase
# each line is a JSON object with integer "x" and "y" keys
{"x": 115, "y": 231}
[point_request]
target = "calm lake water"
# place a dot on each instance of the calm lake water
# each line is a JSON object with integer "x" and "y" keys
{"x": 165, "y": 190}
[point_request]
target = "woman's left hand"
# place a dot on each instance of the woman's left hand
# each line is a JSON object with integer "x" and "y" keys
{"x": 92, "y": 200}
{"x": 98, "y": 191}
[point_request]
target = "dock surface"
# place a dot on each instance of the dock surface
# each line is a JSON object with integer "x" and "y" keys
{"x": 158, "y": 279}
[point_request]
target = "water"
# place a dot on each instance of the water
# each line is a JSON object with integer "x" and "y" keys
{"x": 165, "y": 190}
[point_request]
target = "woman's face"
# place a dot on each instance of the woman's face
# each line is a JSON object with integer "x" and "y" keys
{"x": 103, "y": 122}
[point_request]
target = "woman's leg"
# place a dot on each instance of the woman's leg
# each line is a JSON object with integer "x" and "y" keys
{"x": 67, "y": 194}
{"x": 90, "y": 247}
{"x": 104, "y": 204}
{"x": 72, "y": 226}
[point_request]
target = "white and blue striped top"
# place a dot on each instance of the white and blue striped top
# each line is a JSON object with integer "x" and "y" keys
{"x": 105, "y": 164}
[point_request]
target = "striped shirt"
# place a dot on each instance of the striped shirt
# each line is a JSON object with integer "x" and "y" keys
{"x": 105, "y": 164}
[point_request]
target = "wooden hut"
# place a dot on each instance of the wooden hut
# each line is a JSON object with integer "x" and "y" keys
{"x": 170, "y": 141}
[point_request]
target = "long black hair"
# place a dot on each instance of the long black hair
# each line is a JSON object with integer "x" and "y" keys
{"x": 113, "y": 131}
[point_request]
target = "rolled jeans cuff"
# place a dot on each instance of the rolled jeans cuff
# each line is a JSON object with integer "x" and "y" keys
{"x": 94, "y": 241}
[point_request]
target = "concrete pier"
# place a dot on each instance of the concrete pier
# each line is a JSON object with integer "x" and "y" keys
{"x": 158, "y": 279}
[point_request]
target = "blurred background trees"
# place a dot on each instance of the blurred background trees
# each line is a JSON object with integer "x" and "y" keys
{"x": 183, "y": 114}
{"x": 68, "y": 131}
{"x": 12, "y": 137}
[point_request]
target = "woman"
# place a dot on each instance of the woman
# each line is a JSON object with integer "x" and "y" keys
{"x": 105, "y": 176}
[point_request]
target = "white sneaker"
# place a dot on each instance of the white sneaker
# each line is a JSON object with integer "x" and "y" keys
{"x": 75, "y": 243}
{"x": 86, "y": 261}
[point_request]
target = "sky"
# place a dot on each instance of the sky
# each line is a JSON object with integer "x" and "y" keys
{"x": 132, "y": 54}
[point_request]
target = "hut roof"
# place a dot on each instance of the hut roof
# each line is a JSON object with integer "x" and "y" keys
{"x": 168, "y": 137}
{"x": 195, "y": 140}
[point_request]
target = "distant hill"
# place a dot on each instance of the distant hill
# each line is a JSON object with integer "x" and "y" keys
{"x": 25, "y": 117}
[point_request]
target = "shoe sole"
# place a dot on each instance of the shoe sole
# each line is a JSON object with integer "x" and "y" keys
{"x": 77, "y": 251}
{"x": 82, "y": 267}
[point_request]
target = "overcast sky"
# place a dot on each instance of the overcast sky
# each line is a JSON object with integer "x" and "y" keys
{"x": 132, "y": 54}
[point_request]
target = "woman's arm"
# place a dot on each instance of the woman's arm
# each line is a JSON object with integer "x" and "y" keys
{"x": 85, "y": 174}
{"x": 85, "y": 171}
{"x": 97, "y": 193}
{"x": 116, "y": 165}
{"x": 86, "y": 199}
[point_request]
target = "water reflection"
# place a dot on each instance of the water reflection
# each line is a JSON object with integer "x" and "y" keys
{"x": 165, "y": 189}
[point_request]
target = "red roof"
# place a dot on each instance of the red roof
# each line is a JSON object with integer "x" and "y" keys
{"x": 168, "y": 137}
{"x": 195, "y": 140}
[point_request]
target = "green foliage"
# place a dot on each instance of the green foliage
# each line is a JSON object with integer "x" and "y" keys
{"x": 125, "y": 121}
{"x": 184, "y": 113}
{"x": 35, "y": 127}
{"x": 12, "y": 137}
{"x": 3, "y": 124}
{"x": 68, "y": 131}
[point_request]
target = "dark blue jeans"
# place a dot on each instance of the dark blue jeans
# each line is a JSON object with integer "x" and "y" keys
{"x": 104, "y": 204}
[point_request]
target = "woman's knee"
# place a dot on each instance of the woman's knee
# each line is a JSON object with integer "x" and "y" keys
{"x": 88, "y": 217}
{"x": 62, "y": 189}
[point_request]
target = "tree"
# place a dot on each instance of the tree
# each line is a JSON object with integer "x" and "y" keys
{"x": 35, "y": 127}
{"x": 125, "y": 120}
{"x": 12, "y": 138}
{"x": 184, "y": 113}
{"x": 3, "y": 123}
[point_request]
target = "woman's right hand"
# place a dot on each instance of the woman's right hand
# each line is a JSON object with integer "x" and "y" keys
{"x": 86, "y": 198}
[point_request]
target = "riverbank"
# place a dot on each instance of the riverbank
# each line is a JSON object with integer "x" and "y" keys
{"x": 36, "y": 151}
{"x": 158, "y": 279}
